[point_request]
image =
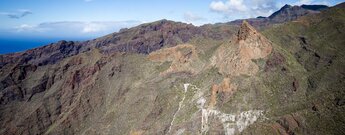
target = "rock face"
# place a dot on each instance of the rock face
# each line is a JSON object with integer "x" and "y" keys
{"x": 182, "y": 58}
{"x": 173, "y": 78}
{"x": 147, "y": 38}
{"x": 248, "y": 45}
{"x": 224, "y": 91}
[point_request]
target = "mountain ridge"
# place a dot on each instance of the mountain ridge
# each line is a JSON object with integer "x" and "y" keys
{"x": 285, "y": 14}
{"x": 237, "y": 22}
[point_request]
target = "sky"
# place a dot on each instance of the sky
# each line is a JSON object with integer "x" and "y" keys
{"x": 30, "y": 23}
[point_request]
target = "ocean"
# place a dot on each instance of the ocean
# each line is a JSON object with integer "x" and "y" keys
{"x": 18, "y": 45}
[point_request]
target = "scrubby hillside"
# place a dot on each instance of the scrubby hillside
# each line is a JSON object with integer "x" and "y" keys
{"x": 174, "y": 78}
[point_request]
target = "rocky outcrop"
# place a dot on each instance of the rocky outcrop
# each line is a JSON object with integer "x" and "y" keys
{"x": 11, "y": 85}
{"x": 57, "y": 102}
{"x": 182, "y": 58}
{"x": 248, "y": 45}
{"x": 288, "y": 124}
{"x": 222, "y": 91}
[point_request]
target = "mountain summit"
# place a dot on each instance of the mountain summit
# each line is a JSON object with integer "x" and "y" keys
{"x": 246, "y": 30}
{"x": 285, "y": 14}
{"x": 248, "y": 45}
{"x": 289, "y": 13}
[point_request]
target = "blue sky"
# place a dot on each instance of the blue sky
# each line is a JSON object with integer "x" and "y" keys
{"x": 85, "y": 19}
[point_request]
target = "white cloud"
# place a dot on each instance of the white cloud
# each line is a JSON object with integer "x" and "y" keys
{"x": 232, "y": 5}
{"x": 301, "y": 2}
{"x": 30, "y": 28}
{"x": 240, "y": 9}
{"x": 237, "y": 9}
{"x": 92, "y": 27}
{"x": 195, "y": 19}
{"x": 191, "y": 17}
{"x": 219, "y": 6}
{"x": 74, "y": 28}
{"x": 24, "y": 27}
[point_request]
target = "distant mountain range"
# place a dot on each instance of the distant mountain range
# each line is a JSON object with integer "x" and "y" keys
{"x": 285, "y": 14}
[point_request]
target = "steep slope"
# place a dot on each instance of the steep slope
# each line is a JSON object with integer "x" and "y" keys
{"x": 122, "y": 92}
{"x": 175, "y": 78}
{"x": 237, "y": 60}
{"x": 132, "y": 93}
{"x": 317, "y": 43}
{"x": 60, "y": 86}
{"x": 142, "y": 39}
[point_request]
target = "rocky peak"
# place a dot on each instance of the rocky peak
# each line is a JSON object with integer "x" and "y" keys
{"x": 286, "y": 6}
{"x": 250, "y": 45}
{"x": 246, "y": 30}
{"x": 289, "y": 13}
{"x": 285, "y": 14}
{"x": 284, "y": 10}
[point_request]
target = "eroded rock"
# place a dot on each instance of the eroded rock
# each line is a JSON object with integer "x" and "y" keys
{"x": 180, "y": 56}
{"x": 236, "y": 58}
